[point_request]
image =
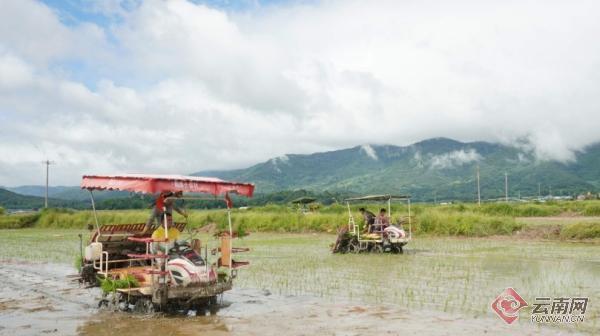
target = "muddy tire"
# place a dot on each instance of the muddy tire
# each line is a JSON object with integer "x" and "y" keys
{"x": 119, "y": 302}
{"x": 397, "y": 249}
{"x": 88, "y": 276}
{"x": 143, "y": 306}
{"x": 377, "y": 248}
{"x": 213, "y": 305}
{"x": 341, "y": 243}
{"x": 354, "y": 246}
{"x": 103, "y": 304}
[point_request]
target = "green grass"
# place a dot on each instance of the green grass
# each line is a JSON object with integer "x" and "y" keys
{"x": 520, "y": 210}
{"x": 19, "y": 221}
{"x": 280, "y": 219}
{"x": 580, "y": 231}
{"x": 592, "y": 210}
{"x": 464, "y": 219}
{"x": 465, "y": 223}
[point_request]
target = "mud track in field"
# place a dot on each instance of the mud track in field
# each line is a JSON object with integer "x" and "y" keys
{"x": 39, "y": 299}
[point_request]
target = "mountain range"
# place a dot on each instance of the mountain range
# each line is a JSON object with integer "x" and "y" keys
{"x": 66, "y": 192}
{"x": 439, "y": 168}
{"x": 436, "y": 168}
{"x": 12, "y": 200}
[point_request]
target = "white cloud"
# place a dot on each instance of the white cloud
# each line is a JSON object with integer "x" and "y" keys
{"x": 367, "y": 149}
{"x": 418, "y": 159}
{"x": 454, "y": 158}
{"x": 13, "y": 72}
{"x": 33, "y": 31}
{"x": 283, "y": 159}
{"x": 276, "y": 162}
{"x": 182, "y": 87}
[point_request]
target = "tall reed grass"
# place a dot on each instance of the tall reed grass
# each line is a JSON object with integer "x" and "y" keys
{"x": 580, "y": 231}
{"x": 453, "y": 219}
{"x": 19, "y": 221}
{"x": 465, "y": 223}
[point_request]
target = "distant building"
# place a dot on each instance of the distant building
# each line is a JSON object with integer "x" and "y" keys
{"x": 587, "y": 196}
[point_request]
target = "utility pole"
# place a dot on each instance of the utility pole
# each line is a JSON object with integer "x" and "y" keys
{"x": 478, "y": 188}
{"x": 539, "y": 191}
{"x": 506, "y": 186}
{"x": 434, "y": 197}
{"x": 47, "y": 163}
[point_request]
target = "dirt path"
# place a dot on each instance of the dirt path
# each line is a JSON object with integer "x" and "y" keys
{"x": 39, "y": 300}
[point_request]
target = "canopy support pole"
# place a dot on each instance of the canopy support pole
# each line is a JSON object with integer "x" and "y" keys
{"x": 230, "y": 241}
{"x": 164, "y": 209}
{"x": 162, "y": 280}
{"x": 351, "y": 219}
{"x": 409, "y": 221}
{"x": 95, "y": 214}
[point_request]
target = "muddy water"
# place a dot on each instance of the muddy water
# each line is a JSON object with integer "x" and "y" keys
{"x": 36, "y": 300}
{"x": 295, "y": 287}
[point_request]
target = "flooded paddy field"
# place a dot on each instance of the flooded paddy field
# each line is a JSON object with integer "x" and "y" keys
{"x": 440, "y": 286}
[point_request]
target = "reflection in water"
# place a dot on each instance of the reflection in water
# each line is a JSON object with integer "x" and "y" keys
{"x": 105, "y": 323}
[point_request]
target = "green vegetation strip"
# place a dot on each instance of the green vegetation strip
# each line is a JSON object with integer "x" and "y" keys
{"x": 19, "y": 221}
{"x": 580, "y": 231}
{"x": 441, "y": 220}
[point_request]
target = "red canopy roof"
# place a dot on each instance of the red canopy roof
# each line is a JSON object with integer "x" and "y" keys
{"x": 157, "y": 183}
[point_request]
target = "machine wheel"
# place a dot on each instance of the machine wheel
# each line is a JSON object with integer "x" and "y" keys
{"x": 112, "y": 302}
{"x": 88, "y": 275}
{"x": 213, "y": 305}
{"x": 397, "y": 248}
{"x": 377, "y": 248}
{"x": 341, "y": 243}
{"x": 119, "y": 302}
{"x": 143, "y": 306}
{"x": 354, "y": 246}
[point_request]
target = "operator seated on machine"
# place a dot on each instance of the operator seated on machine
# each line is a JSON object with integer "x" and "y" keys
{"x": 382, "y": 221}
{"x": 163, "y": 207}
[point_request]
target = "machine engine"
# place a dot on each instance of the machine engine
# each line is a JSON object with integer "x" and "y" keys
{"x": 186, "y": 267}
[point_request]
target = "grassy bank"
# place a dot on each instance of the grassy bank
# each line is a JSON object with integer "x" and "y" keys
{"x": 580, "y": 231}
{"x": 19, "y": 221}
{"x": 441, "y": 220}
{"x": 531, "y": 209}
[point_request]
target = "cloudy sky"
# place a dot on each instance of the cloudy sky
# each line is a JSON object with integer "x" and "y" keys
{"x": 181, "y": 86}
